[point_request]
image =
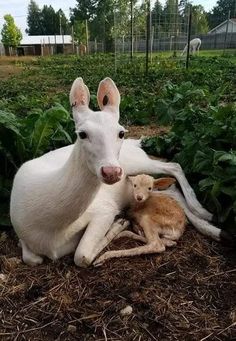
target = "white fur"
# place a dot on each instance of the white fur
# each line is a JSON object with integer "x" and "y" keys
{"x": 52, "y": 196}
{"x": 195, "y": 45}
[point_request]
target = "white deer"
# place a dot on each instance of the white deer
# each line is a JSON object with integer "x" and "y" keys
{"x": 51, "y": 193}
{"x": 194, "y": 46}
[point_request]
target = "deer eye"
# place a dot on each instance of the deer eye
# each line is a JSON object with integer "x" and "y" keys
{"x": 83, "y": 135}
{"x": 135, "y": 185}
{"x": 149, "y": 188}
{"x": 121, "y": 134}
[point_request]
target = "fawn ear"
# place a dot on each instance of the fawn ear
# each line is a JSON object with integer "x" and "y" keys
{"x": 108, "y": 96}
{"x": 163, "y": 183}
{"x": 79, "y": 98}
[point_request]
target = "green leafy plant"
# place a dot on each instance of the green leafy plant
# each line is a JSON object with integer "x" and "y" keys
{"x": 202, "y": 140}
{"x": 22, "y": 139}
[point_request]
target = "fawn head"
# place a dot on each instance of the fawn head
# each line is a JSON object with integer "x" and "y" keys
{"x": 143, "y": 185}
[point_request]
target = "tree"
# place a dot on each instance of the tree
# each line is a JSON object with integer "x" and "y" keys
{"x": 48, "y": 20}
{"x": 199, "y": 20}
{"x": 157, "y": 10}
{"x": 11, "y": 34}
{"x": 100, "y": 17}
{"x": 169, "y": 17}
{"x": 220, "y": 12}
{"x": 34, "y": 19}
{"x": 61, "y": 22}
{"x": 79, "y": 31}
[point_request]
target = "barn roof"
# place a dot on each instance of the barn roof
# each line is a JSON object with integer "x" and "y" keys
{"x": 233, "y": 20}
{"x": 51, "y": 39}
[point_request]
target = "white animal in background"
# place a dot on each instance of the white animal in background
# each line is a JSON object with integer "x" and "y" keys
{"x": 195, "y": 45}
{"x": 51, "y": 193}
{"x": 160, "y": 218}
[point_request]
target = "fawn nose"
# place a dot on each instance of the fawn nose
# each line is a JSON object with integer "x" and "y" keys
{"x": 139, "y": 197}
{"x": 111, "y": 175}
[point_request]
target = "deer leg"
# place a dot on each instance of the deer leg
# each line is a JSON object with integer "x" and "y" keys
{"x": 116, "y": 229}
{"x": 168, "y": 242}
{"x": 140, "y": 250}
{"x": 28, "y": 256}
{"x": 96, "y": 238}
{"x": 131, "y": 235}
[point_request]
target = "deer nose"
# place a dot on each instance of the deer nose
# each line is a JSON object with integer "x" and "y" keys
{"x": 139, "y": 197}
{"x": 111, "y": 174}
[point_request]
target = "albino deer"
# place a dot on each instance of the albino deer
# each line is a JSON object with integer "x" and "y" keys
{"x": 161, "y": 219}
{"x": 195, "y": 45}
{"x": 52, "y": 196}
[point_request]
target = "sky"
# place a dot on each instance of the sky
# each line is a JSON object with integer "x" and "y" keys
{"x": 18, "y": 8}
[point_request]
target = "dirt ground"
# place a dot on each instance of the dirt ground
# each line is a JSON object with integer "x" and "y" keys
{"x": 186, "y": 293}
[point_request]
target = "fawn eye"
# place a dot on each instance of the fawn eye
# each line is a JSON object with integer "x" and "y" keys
{"x": 121, "y": 134}
{"x": 149, "y": 188}
{"x": 83, "y": 135}
{"x": 135, "y": 185}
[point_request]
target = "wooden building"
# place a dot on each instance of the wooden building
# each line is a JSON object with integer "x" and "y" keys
{"x": 45, "y": 45}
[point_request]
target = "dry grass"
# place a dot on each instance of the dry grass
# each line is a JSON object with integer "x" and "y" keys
{"x": 10, "y": 66}
{"x": 187, "y": 293}
{"x": 9, "y": 70}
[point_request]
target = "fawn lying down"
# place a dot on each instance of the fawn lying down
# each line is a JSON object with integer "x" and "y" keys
{"x": 158, "y": 216}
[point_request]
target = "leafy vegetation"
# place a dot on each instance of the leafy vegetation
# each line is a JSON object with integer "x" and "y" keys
{"x": 202, "y": 140}
{"x": 35, "y": 116}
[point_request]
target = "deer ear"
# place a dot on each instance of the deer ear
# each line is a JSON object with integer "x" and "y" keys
{"x": 108, "y": 96}
{"x": 130, "y": 178}
{"x": 79, "y": 98}
{"x": 163, "y": 183}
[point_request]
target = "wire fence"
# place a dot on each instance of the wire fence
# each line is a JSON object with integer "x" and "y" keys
{"x": 145, "y": 32}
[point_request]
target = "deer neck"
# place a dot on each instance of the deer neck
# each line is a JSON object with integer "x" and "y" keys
{"x": 74, "y": 187}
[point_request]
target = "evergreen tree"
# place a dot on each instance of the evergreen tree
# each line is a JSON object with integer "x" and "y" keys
{"x": 157, "y": 16}
{"x": 220, "y": 12}
{"x": 169, "y": 17}
{"x": 34, "y": 19}
{"x": 11, "y": 34}
{"x": 48, "y": 20}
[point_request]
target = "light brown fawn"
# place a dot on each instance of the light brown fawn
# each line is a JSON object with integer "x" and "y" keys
{"x": 159, "y": 217}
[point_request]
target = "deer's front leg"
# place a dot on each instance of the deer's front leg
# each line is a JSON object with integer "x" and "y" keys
{"x": 92, "y": 241}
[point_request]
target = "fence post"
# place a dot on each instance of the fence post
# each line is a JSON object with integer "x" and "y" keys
{"x": 147, "y": 34}
{"x": 226, "y": 32}
{"x": 131, "y": 30}
{"x": 189, "y": 35}
{"x": 175, "y": 28}
{"x": 87, "y": 35}
{"x": 73, "y": 39}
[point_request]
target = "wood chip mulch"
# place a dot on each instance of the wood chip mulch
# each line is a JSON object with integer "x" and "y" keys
{"x": 186, "y": 293}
